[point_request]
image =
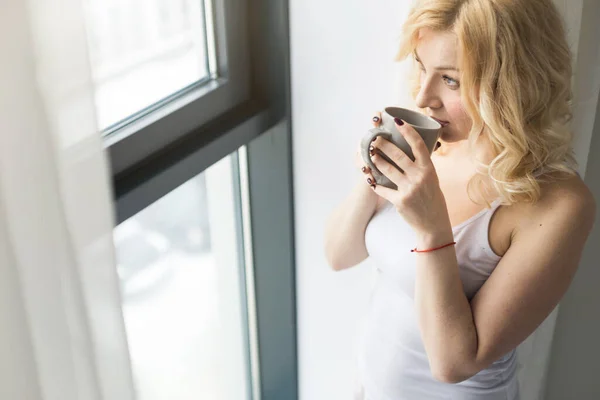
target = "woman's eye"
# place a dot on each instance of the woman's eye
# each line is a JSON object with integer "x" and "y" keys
{"x": 453, "y": 83}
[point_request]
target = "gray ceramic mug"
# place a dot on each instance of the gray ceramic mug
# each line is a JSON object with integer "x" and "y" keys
{"x": 428, "y": 128}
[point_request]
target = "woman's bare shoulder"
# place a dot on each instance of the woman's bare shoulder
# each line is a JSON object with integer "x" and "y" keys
{"x": 570, "y": 196}
{"x": 569, "y": 192}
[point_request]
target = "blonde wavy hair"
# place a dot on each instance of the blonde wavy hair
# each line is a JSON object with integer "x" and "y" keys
{"x": 515, "y": 86}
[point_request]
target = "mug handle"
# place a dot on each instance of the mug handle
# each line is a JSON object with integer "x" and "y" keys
{"x": 366, "y": 143}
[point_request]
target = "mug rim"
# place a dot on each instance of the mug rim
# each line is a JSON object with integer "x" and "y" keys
{"x": 436, "y": 124}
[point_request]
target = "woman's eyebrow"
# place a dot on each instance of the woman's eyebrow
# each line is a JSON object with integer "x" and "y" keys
{"x": 439, "y": 68}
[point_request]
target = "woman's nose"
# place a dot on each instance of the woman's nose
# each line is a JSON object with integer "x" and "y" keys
{"x": 428, "y": 96}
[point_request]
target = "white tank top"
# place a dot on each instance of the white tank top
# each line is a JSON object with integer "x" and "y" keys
{"x": 392, "y": 361}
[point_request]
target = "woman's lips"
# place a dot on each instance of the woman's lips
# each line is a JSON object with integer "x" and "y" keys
{"x": 443, "y": 123}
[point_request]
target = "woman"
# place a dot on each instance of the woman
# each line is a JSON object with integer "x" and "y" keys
{"x": 497, "y": 214}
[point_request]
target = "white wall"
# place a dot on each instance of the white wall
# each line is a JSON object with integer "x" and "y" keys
{"x": 342, "y": 71}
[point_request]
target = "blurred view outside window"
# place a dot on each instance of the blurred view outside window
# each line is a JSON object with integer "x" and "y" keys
{"x": 183, "y": 292}
{"x": 143, "y": 51}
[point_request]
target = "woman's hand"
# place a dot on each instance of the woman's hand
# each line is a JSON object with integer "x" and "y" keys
{"x": 360, "y": 163}
{"x": 418, "y": 198}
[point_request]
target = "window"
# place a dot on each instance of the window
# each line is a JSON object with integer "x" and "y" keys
{"x": 163, "y": 69}
{"x": 193, "y": 102}
{"x": 183, "y": 291}
{"x": 143, "y": 53}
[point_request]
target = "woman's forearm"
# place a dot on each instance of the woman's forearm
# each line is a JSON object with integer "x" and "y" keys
{"x": 443, "y": 310}
{"x": 345, "y": 229}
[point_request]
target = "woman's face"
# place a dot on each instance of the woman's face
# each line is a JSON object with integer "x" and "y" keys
{"x": 437, "y": 57}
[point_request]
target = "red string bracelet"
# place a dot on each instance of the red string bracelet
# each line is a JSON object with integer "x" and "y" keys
{"x": 430, "y": 250}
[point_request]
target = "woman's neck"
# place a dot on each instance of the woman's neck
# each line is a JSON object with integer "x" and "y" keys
{"x": 461, "y": 149}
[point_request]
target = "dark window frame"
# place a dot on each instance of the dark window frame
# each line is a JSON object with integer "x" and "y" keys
{"x": 145, "y": 168}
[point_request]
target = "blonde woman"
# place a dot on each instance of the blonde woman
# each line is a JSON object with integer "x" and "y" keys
{"x": 482, "y": 239}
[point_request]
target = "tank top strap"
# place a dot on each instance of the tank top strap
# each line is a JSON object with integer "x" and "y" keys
{"x": 476, "y": 234}
{"x": 490, "y": 213}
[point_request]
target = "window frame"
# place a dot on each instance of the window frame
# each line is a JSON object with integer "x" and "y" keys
{"x": 171, "y": 119}
{"x": 147, "y": 164}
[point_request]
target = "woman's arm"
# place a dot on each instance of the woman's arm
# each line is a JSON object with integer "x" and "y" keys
{"x": 345, "y": 229}
{"x": 460, "y": 338}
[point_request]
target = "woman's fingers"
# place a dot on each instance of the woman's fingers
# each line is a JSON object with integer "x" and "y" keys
{"x": 415, "y": 141}
{"x": 368, "y": 175}
{"x": 390, "y": 171}
{"x": 376, "y": 119}
{"x": 394, "y": 153}
{"x": 369, "y": 178}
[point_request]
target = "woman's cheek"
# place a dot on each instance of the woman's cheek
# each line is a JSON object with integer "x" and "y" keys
{"x": 459, "y": 116}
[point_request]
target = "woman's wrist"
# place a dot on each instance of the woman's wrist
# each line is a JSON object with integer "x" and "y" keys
{"x": 434, "y": 238}
{"x": 364, "y": 190}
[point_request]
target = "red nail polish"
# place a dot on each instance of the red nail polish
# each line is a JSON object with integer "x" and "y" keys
{"x": 399, "y": 121}
{"x": 369, "y": 181}
{"x": 364, "y": 169}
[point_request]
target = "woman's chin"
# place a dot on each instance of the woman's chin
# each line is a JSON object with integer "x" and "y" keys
{"x": 449, "y": 136}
